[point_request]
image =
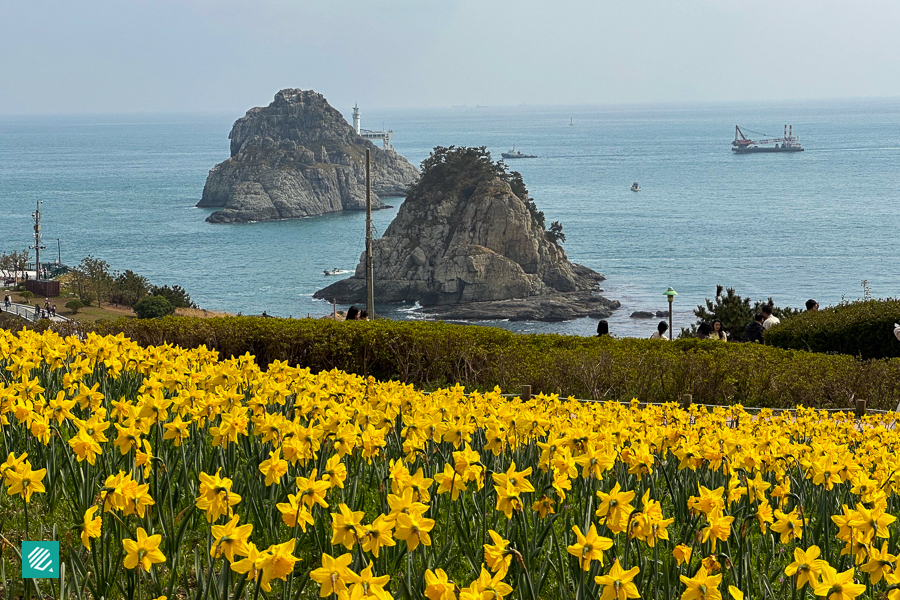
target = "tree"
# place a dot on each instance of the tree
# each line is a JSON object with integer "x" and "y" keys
{"x": 153, "y": 307}
{"x": 13, "y": 263}
{"x": 92, "y": 278}
{"x": 176, "y": 295}
{"x": 74, "y": 306}
{"x": 129, "y": 288}
{"x": 6, "y": 264}
{"x": 555, "y": 234}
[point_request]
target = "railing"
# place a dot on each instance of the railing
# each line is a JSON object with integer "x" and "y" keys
{"x": 29, "y": 313}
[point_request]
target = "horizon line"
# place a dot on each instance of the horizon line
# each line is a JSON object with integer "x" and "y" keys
{"x": 634, "y": 104}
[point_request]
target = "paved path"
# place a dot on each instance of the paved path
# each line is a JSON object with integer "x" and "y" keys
{"x": 28, "y": 313}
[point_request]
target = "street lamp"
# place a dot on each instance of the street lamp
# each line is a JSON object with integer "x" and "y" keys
{"x": 670, "y": 295}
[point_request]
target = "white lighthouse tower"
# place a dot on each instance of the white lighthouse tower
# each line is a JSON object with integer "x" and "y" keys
{"x": 356, "y": 118}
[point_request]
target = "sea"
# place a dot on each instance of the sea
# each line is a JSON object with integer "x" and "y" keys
{"x": 814, "y": 224}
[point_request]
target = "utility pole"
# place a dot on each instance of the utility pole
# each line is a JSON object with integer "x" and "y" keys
{"x": 36, "y": 215}
{"x": 370, "y": 270}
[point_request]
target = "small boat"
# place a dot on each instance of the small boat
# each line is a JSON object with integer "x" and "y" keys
{"x": 336, "y": 271}
{"x": 571, "y": 122}
{"x": 635, "y": 187}
{"x": 516, "y": 154}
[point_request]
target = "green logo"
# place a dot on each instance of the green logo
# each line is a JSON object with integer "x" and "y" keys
{"x": 40, "y": 560}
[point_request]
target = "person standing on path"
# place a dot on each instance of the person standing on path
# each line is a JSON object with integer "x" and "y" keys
{"x": 755, "y": 330}
{"x": 660, "y": 331}
{"x": 602, "y": 328}
{"x": 717, "y": 332}
{"x": 771, "y": 320}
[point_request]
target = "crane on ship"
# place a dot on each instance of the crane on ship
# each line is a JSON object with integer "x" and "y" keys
{"x": 788, "y": 143}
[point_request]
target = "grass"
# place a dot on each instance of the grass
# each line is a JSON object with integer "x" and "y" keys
{"x": 94, "y": 313}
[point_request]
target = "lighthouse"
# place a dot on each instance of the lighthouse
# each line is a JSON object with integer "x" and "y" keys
{"x": 356, "y": 118}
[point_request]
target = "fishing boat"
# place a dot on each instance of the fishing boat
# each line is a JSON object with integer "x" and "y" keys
{"x": 336, "y": 271}
{"x": 635, "y": 187}
{"x": 516, "y": 154}
{"x": 571, "y": 122}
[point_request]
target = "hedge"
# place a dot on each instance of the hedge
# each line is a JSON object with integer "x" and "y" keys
{"x": 437, "y": 354}
{"x": 863, "y": 329}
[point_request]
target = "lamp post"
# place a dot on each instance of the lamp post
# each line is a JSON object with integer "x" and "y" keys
{"x": 670, "y": 295}
{"x": 59, "y": 252}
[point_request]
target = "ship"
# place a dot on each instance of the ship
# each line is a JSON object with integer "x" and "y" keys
{"x": 743, "y": 145}
{"x": 516, "y": 154}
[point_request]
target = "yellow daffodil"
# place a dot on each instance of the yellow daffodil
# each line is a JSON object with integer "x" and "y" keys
{"x": 90, "y": 528}
{"x": 333, "y": 575}
{"x": 588, "y": 548}
{"x": 144, "y": 551}
{"x": 617, "y": 584}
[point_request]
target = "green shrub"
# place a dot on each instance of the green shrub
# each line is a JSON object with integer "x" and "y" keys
{"x": 436, "y": 354}
{"x": 74, "y": 306}
{"x": 27, "y": 295}
{"x": 176, "y": 295}
{"x": 863, "y": 329}
{"x": 152, "y": 307}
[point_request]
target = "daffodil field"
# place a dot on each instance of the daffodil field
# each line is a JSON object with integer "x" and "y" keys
{"x": 170, "y": 473}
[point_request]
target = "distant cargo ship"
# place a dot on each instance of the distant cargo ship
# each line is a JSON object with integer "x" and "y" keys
{"x": 516, "y": 154}
{"x": 743, "y": 145}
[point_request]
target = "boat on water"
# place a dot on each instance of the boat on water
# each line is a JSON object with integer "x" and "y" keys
{"x": 336, "y": 271}
{"x": 571, "y": 122}
{"x": 744, "y": 145}
{"x": 635, "y": 187}
{"x": 516, "y": 154}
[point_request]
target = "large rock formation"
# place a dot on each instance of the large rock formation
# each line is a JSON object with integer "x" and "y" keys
{"x": 298, "y": 157}
{"x": 465, "y": 246}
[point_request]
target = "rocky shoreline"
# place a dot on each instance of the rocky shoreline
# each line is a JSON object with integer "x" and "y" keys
{"x": 552, "y": 308}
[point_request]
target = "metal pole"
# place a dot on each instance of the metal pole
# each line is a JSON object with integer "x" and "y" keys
{"x": 370, "y": 272}
{"x": 671, "y": 331}
{"x": 37, "y": 242}
{"x": 59, "y": 249}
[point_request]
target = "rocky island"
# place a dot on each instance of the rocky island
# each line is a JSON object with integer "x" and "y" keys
{"x": 298, "y": 157}
{"x": 469, "y": 243}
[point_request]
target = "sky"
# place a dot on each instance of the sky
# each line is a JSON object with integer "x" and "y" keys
{"x": 224, "y": 56}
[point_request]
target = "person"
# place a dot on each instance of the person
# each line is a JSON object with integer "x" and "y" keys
{"x": 7, "y": 301}
{"x": 718, "y": 334}
{"x": 660, "y": 331}
{"x": 703, "y": 331}
{"x": 755, "y": 330}
{"x": 352, "y": 314}
{"x": 602, "y": 328}
{"x": 812, "y": 305}
{"x": 363, "y": 315}
{"x": 771, "y": 320}
{"x": 53, "y": 310}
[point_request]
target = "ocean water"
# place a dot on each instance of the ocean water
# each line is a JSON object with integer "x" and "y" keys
{"x": 790, "y": 226}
